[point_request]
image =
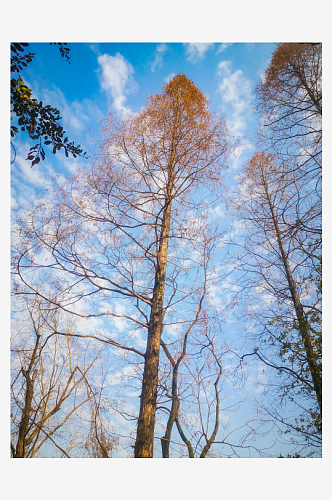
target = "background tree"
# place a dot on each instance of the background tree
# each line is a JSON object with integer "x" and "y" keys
{"x": 200, "y": 384}
{"x": 192, "y": 398}
{"x": 52, "y": 384}
{"x": 39, "y": 120}
{"x": 178, "y": 351}
{"x": 289, "y": 102}
{"x": 278, "y": 260}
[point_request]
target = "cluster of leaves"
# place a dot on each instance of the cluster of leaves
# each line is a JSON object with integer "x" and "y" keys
{"x": 64, "y": 51}
{"x": 297, "y": 455}
{"x": 40, "y": 121}
{"x": 292, "y": 349}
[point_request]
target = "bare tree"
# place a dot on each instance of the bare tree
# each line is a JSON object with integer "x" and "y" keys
{"x": 212, "y": 401}
{"x": 50, "y": 384}
{"x": 197, "y": 405}
{"x": 176, "y": 351}
{"x": 120, "y": 239}
{"x": 280, "y": 265}
{"x": 289, "y": 101}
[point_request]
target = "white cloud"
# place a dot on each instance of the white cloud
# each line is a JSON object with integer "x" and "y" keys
{"x": 24, "y": 179}
{"x": 261, "y": 71}
{"x": 126, "y": 372}
{"x": 169, "y": 77}
{"x": 217, "y": 212}
{"x": 75, "y": 115}
{"x": 158, "y": 60}
{"x": 117, "y": 80}
{"x": 257, "y": 378}
{"x": 119, "y": 322}
{"x": 95, "y": 48}
{"x": 235, "y": 91}
{"x": 196, "y": 51}
{"x": 24, "y": 170}
{"x": 239, "y": 152}
{"x": 222, "y": 47}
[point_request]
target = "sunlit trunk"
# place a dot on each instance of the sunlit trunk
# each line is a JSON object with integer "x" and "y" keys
{"x": 146, "y": 420}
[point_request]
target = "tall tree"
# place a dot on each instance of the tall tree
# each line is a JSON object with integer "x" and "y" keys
{"x": 122, "y": 239}
{"x": 289, "y": 102}
{"x": 279, "y": 259}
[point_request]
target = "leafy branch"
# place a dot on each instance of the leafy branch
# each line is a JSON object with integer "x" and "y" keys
{"x": 40, "y": 121}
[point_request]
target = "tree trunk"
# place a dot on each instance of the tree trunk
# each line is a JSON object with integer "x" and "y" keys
{"x": 210, "y": 441}
{"x": 185, "y": 440}
{"x": 165, "y": 441}
{"x": 23, "y": 430}
{"x": 24, "y": 425}
{"x": 146, "y": 419}
{"x": 174, "y": 413}
{"x": 303, "y": 324}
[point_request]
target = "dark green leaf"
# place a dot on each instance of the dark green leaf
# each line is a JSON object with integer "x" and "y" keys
{"x": 18, "y": 47}
{"x": 35, "y": 161}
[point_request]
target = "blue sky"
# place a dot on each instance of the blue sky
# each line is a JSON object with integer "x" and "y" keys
{"x": 119, "y": 77}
